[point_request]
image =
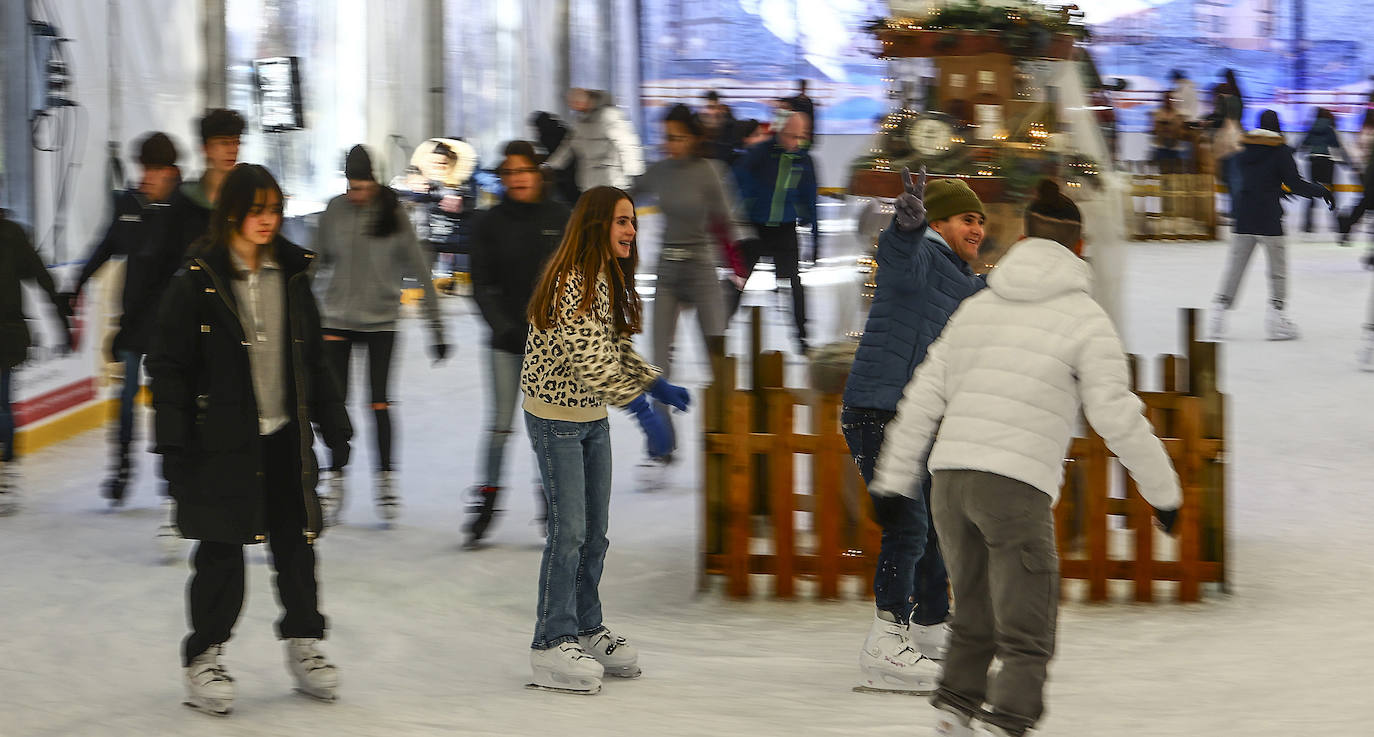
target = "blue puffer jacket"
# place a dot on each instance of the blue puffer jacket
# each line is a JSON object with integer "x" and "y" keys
{"x": 920, "y": 284}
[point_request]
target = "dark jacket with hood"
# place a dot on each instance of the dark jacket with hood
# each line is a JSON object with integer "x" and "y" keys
{"x": 19, "y": 262}
{"x": 511, "y": 244}
{"x": 139, "y": 232}
{"x": 920, "y": 283}
{"x": 206, "y": 415}
{"x": 190, "y": 219}
{"x": 1265, "y": 166}
{"x": 1322, "y": 140}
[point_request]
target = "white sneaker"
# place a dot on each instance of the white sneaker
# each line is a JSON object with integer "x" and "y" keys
{"x": 951, "y": 723}
{"x": 888, "y": 662}
{"x": 566, "y": 667}
{"x": 332, "y": 496}
{"x": 1277, "y": 326}
{"x": 388, "y": 504}
{"x": 932, "y": 641}
{"x": 208, "y": 686}
{"x": 1216, "y": 322}
{"x": 615, "y": 654}
{"x": 168, "y": 536}
{"x": 315, "y": 675}
{"x": 9, "y": 489}
{"x": 1366, "y": 354}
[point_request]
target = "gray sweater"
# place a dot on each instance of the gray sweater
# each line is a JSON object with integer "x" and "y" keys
{"x": 358, "y": 276}
{"x": 692, "y": 195}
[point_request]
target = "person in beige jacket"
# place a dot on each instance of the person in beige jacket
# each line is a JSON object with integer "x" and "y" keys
{"x": 999, "y": 394}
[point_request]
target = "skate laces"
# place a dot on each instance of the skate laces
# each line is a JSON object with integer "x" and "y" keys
{"x": 208, "y": 668}
{"x": 615, "y": 640}
{"x": 574, "y": 651}
{"x": 308, "y": 655}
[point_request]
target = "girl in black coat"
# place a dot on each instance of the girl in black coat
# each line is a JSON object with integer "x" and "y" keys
{"x": 238, "y": 378}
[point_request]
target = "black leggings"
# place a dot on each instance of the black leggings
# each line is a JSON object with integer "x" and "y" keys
{"x": 338, "y": 351}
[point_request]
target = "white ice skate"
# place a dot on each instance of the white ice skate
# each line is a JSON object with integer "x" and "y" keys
{"x": 931, "y": 641}
{"x": 1216, "y": 322}
{"x": 1366, "y": 354}
{"x": 9, "y": 489}
{"x": 983, "y": 729}
{"x": 168, "y": 536}
{"x": 888, "y": 662}
{"x": 1277, "y": 326}
{"x": 315, "y": 676}
{"x": 332, "y": 496}
{"x": 208, "y": 686}
{"x": 565, "y": 668}
{"x": 952, "y": 723}
{"x": 615, "y": 654}
{"x": 388, "y": 504}
{"x": 651, "y": 475}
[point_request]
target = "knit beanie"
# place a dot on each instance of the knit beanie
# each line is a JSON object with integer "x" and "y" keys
{"x": 157, "y": 150}
{"x": 946, "y": 198}
{"x": 358, "y": 165}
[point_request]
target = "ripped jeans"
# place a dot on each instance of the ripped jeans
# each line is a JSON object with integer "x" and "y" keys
{"x": 911, "y": 572}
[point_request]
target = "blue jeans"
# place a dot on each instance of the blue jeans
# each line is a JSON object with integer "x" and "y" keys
{"x": 6, "y": 416}
{"x": 575, "y": 463}
{"x": 127, "y": 394}
{"x": 503, "y": 369}
{"x": 911, "y": 571}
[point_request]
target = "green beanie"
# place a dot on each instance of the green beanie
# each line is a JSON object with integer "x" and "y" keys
{"x": 946, "y": 198}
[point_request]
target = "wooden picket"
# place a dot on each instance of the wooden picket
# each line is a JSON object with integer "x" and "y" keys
{"x": 1104, "y": 528}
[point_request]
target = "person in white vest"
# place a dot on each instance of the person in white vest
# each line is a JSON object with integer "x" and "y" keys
{"x": 999, "y": 393}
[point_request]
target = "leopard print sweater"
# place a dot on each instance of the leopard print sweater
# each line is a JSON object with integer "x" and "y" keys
{"x": 574, "y": 369}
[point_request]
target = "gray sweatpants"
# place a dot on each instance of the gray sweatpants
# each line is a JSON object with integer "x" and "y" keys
{"x": 682, "y": 283}
{"x": 997, "y": 536}
{"x": 1242, "y": 245}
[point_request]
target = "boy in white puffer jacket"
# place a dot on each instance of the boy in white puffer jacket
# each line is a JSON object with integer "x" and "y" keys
{"x": 1000, "y": 392}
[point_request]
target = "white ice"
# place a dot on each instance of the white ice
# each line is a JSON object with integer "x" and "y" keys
{"x": 433, "y": 640}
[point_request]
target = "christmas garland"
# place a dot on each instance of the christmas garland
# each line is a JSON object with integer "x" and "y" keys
{"x": 1026, "y": 28}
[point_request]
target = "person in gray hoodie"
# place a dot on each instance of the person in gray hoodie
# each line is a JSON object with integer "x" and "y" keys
{"x": 366, "y": 247}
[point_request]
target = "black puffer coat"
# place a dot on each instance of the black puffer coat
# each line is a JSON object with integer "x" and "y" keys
{"x": 19, "y": 262}
{"x": 206, "y": 419}
{"x": 1266, "y": 166}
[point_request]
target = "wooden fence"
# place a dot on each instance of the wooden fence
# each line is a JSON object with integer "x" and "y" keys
{"x": 754, "y": 492}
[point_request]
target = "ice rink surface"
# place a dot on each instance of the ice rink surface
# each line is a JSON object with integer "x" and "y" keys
{"x": 434, "y": 640}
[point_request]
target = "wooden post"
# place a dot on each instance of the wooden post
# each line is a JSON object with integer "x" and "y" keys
{"x": 1202, "y": 383}
{"x": 826, "y": 488}
{"x": 780, "y": 474}
{"x": 1190, "y": 426}
{"x": 737, "y": 496}
{"x": 768, "y": 375}
{"x": 1095, "y": 489}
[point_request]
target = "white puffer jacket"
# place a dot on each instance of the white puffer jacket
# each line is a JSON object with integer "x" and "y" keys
{"x": 1003, "y": 384}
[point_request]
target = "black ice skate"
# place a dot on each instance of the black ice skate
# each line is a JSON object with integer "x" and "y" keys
{"x": 481, "y": 510}
{"x": 118, "y": 482}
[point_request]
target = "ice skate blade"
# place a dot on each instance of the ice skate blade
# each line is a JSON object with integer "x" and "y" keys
{"x": 908, "y": 691}
{"x": 331, "y": 698}
{"x": 596, "y": 689}
{"x": 211, "y": 708}
{"x": 626, "y": 672}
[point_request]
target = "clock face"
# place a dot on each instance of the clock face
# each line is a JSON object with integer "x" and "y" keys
{"x": 930, "y": 137}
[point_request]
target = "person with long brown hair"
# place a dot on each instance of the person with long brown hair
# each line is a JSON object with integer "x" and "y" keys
{"x": 579, "y": 358}
{"x": 238, "y": 377}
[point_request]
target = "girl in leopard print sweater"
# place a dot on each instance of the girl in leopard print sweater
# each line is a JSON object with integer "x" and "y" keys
{"x": 579, "y": 358}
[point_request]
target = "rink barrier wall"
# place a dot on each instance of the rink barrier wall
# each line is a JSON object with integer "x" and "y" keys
{"x": 765, "y": 516}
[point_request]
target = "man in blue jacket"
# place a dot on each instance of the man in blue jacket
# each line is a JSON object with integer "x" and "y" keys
{"x": 777, "y": 185}
{"x": 922, "y": 275}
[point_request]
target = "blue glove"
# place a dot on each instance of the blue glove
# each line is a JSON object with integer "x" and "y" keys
{"x": 656, "y": 430}
{"x": 670, "y": 394}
